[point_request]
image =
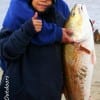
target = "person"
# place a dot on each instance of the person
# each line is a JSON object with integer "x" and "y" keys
{"x": 30, "y": 44}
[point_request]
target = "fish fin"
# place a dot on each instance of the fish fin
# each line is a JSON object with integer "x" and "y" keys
{"x": 93, "y": 57}
{"x": 86, "y": 50}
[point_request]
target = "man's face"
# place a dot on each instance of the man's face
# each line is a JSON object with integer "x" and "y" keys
{"x": 41, "y": 5}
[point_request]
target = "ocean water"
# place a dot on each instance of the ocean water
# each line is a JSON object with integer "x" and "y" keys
{"x": 93, "y": 7}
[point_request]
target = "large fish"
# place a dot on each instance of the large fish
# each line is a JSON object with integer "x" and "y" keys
{"x": 79, "y": 57}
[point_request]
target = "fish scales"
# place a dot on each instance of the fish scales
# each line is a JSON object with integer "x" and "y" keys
{"x": 79, "y": 57}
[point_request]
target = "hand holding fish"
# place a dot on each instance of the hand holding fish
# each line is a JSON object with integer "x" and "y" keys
{"x": 66, "y": 33}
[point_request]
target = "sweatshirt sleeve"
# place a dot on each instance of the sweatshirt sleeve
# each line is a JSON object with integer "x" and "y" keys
{"x": 50, "y": 34}
{"x": 15, "y": 44}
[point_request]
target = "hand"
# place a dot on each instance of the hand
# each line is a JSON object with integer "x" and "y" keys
{"x": 37, "y": 23}
{"x": 66, "y": 36}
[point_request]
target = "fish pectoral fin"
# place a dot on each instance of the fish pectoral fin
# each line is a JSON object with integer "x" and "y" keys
{"x": 84, "y": 49}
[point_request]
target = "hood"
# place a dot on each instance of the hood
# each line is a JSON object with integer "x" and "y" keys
{"x": 18, "y": 12}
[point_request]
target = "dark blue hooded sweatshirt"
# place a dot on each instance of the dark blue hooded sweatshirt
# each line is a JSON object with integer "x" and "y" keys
{"x": 33, "y": 60}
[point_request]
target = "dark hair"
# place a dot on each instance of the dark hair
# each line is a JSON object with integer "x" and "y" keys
{"x": 51, "y": 14}
{"x": 30, "y": 2}
{"x": 48, "y": 15}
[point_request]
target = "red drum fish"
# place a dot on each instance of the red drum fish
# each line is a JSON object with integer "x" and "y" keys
{"x": 79, "y": 57}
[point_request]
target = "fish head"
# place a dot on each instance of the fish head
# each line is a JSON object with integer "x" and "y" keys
{"x": 79, "y": 22}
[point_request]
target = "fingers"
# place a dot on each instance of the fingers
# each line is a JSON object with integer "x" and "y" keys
{"x": 69, "y": 32}
{"x": 35, "y": 15}
{"x": 37, "y": 23}
{"x": 66, "y": 36}
{"x": 38, "y": 29}
{"x": 66, "y": 39}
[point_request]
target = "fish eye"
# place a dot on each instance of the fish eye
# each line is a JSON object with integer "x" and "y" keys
{"x": 73, "y": 13}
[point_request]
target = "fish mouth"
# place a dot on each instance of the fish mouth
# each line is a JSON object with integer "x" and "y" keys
{"x": 80, "y": 8}
{"x": 78, "y": 22}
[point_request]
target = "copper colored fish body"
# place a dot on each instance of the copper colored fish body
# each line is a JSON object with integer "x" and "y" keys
{"x": 79, "y": 57}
